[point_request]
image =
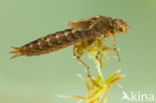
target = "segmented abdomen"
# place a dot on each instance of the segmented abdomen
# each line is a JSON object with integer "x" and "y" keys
{"x": 52, "y": 42}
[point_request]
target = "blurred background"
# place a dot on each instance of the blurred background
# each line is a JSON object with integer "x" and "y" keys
{"x": 39, "y": 79}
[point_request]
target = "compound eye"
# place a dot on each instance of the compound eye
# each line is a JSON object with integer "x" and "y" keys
{"x": 121, "y": 29}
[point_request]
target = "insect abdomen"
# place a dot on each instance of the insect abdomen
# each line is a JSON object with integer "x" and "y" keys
{"x": 51, "y": 42}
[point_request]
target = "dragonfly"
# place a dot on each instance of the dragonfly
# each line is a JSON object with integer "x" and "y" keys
{"x": 89, "y": 30}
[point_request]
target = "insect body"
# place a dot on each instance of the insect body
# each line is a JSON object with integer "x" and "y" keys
{"x": 90, "y": 30}
{"x": 93, "y": 27}
{"x": 52, "y": 42}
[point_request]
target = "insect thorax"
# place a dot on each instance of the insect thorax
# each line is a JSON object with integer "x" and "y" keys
{"x": 103, "y": 25}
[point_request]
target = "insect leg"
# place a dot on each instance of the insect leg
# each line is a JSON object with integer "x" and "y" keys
{"x": 114, "y": 47}
{"x": 90, "y": 46}
{"x": 99, "y": 51}
{"x": 78, "y": 56}
{"x": 82, "y": 62}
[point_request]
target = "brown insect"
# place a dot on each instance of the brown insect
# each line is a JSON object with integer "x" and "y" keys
{"x": 90, "y": 30}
